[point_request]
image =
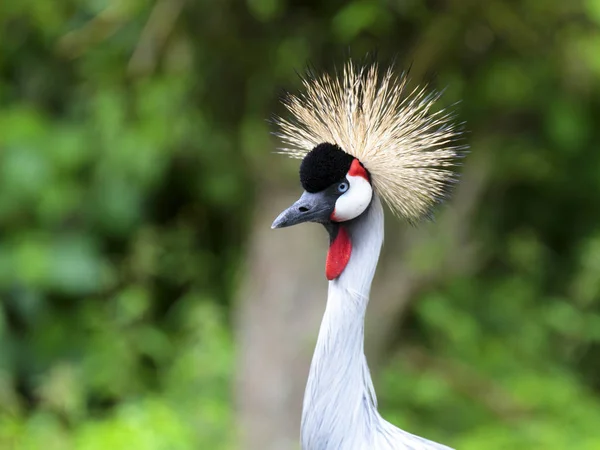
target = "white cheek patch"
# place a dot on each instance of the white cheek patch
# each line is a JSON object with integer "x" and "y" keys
{"x": 354, "y": 201}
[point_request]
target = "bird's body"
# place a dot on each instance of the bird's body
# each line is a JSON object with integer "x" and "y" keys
{"x": 359, "y": 139}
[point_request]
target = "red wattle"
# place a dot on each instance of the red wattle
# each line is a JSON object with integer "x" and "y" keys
{"x": 338, "y": 254}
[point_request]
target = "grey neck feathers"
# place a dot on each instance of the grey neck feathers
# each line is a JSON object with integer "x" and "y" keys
{"x": 340, "y": 407}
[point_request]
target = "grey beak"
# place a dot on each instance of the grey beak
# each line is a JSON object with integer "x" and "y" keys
{"x": 310, "y": 207}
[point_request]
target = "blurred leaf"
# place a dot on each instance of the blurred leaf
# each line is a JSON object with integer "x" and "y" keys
{"x": 593, "y": 10}
{"x": 568, "y": 125}
{"x": 265, "y": 10}
{"x": 357, "y": 16}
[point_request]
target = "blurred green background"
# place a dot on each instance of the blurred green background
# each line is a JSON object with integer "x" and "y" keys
{"x": 134, "y": 155}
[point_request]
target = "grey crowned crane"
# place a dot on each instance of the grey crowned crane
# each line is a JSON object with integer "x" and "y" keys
{"x": 362, "y": 137}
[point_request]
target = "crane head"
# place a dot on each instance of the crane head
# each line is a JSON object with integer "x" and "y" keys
{"x": 407, "y": 147}
{"x": 337, "y": 188}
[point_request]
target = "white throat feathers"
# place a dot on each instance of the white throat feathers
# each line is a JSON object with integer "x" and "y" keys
{"x": 340, "y": 404}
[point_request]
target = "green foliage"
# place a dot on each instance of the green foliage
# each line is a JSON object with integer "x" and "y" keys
{"x": 192, "y": 374}
{"x": 132, "y": 135}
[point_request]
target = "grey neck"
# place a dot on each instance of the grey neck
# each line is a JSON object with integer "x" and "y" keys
{"x": 339, "y": 400}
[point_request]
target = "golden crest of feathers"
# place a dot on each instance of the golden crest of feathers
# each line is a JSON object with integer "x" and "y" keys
{"x": 409, "y": 151}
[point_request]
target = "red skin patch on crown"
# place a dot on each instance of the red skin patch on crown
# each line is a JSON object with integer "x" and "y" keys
{"x": 338, "y": 254}
{"x": 357, "y": 170}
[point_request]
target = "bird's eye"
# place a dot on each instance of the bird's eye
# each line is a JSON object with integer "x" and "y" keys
{"x": 342, "y": 187}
